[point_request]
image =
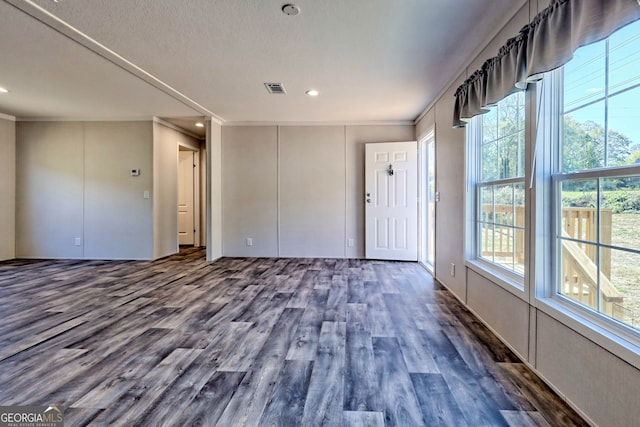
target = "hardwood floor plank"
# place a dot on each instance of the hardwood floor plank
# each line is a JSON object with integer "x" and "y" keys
{"x": 150, "y": 388}
{"x": 360, "y": 378}
{"x": 477, "y": 358}
{"x": 253, "y": 393}
{"x": 305, "y": 344}
{"x": 324, "y": 401}
{"x": 302, "y": 295}
{"x": 31, "y": 341}
{"x": 80, "y": 417}
{"x": 206, "y": 408}
{"x": 17, "y": 378}
{"x": 381, "y": 324}
{"x": 413, "y": 344}
{"x": 247, "y": 348}
{"x": 336, "y": 310}
{"x": 363, "y": 419}
{"x": 438, "y": 405}
{"x": 479, "y": 409}
{"x": 123, "y": 375}
{"x": 186, "y": 393}
{"x": 355, "y": 287}
{"x": 524, "y": 419}
{"x": 286, "y": 406}
{"x": 401, "y": 407}
{"x": 358, "y": 318}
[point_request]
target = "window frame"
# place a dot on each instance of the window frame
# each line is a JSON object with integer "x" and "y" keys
{"x": 507, "y": 279}
{"x": 614, "y": 335}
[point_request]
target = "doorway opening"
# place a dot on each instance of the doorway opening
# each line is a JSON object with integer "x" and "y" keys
{"x": 427, "y": 205}
{"x": 189, "y": 210}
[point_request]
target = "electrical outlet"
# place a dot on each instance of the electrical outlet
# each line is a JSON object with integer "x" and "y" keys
{"x": 453, "y": 270}
{"x": 249, "y": 241}
{"x": 78, "y": 241}
{"x": 351, "y": 243}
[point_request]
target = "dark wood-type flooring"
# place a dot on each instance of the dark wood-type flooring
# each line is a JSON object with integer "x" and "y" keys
{"x": 241, "y": 342}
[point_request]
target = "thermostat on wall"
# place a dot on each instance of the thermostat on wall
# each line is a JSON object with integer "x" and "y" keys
{"x": 135, "y": 172}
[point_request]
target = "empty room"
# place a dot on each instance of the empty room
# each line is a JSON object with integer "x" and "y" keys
{"x": 340, "y": 213}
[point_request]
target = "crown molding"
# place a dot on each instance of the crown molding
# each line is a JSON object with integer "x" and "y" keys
{"x": 311, "y": 123}
{"x": 85, "y": 119}
{"x": 7, "y": 117}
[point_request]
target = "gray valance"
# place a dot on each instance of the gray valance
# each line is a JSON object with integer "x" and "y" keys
{"x": 547, "y": 43}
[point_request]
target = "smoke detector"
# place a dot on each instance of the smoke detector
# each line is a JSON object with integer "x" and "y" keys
{"x": 290, "y": 9}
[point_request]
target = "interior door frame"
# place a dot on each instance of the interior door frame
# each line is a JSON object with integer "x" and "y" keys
{"x": 411, "y": 252}
{"x": 197, "y": 206}
{"x": 423, "y": 199}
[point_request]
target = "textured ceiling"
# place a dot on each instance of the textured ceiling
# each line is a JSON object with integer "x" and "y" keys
{"x": 371, "y": 60}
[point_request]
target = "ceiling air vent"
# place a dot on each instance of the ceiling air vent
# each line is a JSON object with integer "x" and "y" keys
{"x": 275, "y": 88}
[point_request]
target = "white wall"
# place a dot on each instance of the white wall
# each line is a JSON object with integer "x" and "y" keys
{"x": 297, "y": 191}
{"x": 214, "y": 184}
{"x": 600, "y": 385}
{"x": 73, "y": 181}
{"x": 250, "y": 190}
{"x": 312, "y": 191}
{"x": 50, "y": 189}
{"x": 7, "y": 188}
{"x": 117, "y": 217}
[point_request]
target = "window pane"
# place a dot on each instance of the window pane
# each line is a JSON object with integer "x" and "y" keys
{"x": 583, "y": 138}
{"x": 579, "y": 209}
{"x": 579, "y": 272}
{"x": 490, "y": 125}
{"x": 620, "y": 286}
{"x": 489, "y": 160}
{"x": 485, "y": 238}
{"x": 503, "y": 243}
{"x": 623, "y": 131}
{"x": 510, "y": 153}
{"x": 511, "y": 115}
{"x": 584, "y": 80}
{"x": 624, "y": 58}
{"x": 620, "y": 212}
{"x": 504, "y": 204}
{"x": 485, "y": 213}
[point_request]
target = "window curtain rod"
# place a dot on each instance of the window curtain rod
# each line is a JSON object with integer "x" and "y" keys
{"x": 546, "y": 43}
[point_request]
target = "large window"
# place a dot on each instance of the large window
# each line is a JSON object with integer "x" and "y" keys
{"x": 497, "y": 157}
{"x": 596, "y": 178}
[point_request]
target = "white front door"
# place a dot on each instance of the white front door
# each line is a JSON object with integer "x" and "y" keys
{"x": 391, "y": 205}
{"x": 186, "y": 231}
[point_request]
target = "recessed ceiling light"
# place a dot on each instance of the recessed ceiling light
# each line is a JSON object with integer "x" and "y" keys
{"x": 290, "y": 9}
{"x": 3, "y": 90}
{"x": 312, "y": 92}
{"x": 199, "y": 125}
